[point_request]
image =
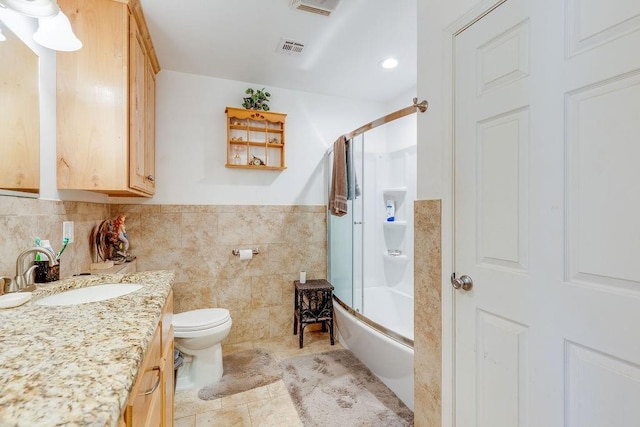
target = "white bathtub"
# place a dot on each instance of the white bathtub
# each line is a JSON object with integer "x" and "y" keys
{"x": 391, "y": 308}
{"x": 387, "y": 358}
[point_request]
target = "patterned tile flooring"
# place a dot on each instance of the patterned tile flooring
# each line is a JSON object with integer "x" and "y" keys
{"x": 263, "y": 406}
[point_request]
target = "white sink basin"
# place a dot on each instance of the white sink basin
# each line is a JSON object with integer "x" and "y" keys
{"x": 89, "y": 294}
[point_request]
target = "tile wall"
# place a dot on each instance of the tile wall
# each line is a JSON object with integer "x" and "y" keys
{"x": 24, "y": 219}
{"x": 197, "y": 240}
{"x": 428, "y": 313}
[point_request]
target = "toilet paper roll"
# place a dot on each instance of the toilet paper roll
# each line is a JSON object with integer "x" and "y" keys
{"x": 246, "y": 254}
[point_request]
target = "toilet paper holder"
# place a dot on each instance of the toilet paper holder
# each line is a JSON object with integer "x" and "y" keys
{"x": 236, "y": 252}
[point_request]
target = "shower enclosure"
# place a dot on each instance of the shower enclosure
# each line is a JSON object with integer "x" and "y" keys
{"x": 371, "y": 259}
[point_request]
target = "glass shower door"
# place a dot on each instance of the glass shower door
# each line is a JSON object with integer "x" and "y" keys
{"x": 340, "y": 247}
{"x": 341, "y": 256}
{"x": 345, "y": 243}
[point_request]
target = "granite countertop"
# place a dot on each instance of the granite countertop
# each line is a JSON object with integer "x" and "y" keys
{"x": 75, "y": 365}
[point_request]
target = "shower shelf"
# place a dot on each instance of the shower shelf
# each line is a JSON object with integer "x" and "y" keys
{"x": 396, "y": 258}
{"x": 395, "y": 190}
{"x": 395, "y": 224}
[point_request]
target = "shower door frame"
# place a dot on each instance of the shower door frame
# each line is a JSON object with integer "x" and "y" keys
{"x": 421, "y": 107}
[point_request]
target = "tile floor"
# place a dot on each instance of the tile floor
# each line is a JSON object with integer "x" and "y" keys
{"x": 263, "y": 406}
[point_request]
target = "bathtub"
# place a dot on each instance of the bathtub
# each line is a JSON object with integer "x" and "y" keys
{"x": 391, "y": 308}
{"x": 388, "y": 355}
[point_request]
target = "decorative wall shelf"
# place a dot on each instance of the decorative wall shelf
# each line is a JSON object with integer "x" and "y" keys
{"x": 255, "y": 139}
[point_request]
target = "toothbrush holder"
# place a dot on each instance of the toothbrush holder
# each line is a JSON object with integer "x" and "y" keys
{"x": 45, "y": 274}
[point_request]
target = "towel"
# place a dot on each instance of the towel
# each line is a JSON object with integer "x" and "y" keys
{"x": 338, "y": 194}
{"x": 353, "y": 189}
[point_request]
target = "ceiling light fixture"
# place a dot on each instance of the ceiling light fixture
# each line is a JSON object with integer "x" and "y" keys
{"x": 32, "y": 8}
{"x": 54, "y": 29}
{"x": 56, "y": 33}
{"x": 389, "y": 63}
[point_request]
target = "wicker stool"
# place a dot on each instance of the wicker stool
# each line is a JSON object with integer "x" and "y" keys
{"x": 313, "y": 303}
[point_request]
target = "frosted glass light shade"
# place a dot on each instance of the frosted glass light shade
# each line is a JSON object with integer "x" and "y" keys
{"x": 56, "y": 33}
{"x": 33, "y": 8}
{"x": 2, "y": 37}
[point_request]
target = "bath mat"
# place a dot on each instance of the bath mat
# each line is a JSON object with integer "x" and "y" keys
{"x": 336, "y": 389}
{"x": 243, "y": 371}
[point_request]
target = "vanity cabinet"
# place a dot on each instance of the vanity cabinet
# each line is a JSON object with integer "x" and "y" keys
{"x": 255, "y": 139}
{"x": 106, "y": 101}
{"x": 151, "y": 399}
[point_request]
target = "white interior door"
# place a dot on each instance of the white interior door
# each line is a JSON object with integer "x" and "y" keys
{"x": 547, "y": 195}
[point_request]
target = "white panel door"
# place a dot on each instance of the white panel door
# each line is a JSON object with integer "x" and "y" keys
{"x": 546, "y": 202}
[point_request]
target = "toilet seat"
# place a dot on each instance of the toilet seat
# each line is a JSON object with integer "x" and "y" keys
{"x": 198, "y": 320}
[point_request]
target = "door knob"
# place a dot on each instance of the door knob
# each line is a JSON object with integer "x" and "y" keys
{"x": 465, "y": 282}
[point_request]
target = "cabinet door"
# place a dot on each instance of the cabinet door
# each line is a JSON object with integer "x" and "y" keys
{"x": 167, "y": 356}
{"x": 168, "y": 384}
{"x": 137, "y": 109}
{"x": 150, "y": 129}
{"x": 92, "y": 86}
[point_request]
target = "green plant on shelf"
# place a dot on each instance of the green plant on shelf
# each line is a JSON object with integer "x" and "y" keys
{"x": 257, "y": 99}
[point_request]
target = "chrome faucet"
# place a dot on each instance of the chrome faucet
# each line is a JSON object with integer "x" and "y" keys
{"x": 24, "y": 278}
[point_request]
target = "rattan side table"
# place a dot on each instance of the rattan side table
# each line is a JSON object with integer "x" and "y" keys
{"x": 313, "y": 303}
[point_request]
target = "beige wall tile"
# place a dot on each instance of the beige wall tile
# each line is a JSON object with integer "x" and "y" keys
{"x": 25, "y": 219}
{"x": 249, "y": 325}
{"x": 196, "y": 242}
{"x": 427, "y": 313}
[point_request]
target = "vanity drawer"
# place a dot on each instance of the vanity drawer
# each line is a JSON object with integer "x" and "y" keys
{"x": 145, "y": 400}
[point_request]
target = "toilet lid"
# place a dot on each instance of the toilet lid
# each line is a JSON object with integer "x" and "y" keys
{"x": 197, "y": 320}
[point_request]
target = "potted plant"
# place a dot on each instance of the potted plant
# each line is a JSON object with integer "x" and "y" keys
{"x": 257, "y": 99}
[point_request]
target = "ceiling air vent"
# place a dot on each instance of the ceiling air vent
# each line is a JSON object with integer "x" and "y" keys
{"x": 290, "y": 47}
{"x": 321, "y": 7}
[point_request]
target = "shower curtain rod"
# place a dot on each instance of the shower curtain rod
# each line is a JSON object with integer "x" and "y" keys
{"x": 422, "y": 107}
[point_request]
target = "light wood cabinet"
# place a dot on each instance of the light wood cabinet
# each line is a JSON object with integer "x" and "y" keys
{"x": 151, "y": 399}
{"x": 106, "y": 101}
{"x": 255, "y": 139}
{"x": 19, "y": 118}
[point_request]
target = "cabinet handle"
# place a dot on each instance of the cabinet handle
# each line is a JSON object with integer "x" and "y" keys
{"x": 150, "y": 178}
{"x": 155, "y": 386}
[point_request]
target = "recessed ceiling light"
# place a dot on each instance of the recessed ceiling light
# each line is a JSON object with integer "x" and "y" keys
{"x": 389, "y": 63}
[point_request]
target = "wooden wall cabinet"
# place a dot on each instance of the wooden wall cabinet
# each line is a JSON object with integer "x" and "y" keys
{"x": 255, "y": 139}
{"x": 106, "y": 101}
{"x": 19, "y": 118}
{"x": 151, "y": 399}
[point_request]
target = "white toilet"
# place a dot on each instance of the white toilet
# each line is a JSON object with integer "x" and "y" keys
{"x": 198, "y": 334}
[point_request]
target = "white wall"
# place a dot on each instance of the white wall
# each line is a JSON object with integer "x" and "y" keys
{"x": 191, "y": 143}
{"x": 402, "y": 133}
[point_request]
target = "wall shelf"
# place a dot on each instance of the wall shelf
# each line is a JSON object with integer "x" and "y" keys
{"x": 268, "y": 168}
{"x": 255, "y": 139}
{"x": 395, "y": 258}
{"x": 395, "y": 190}
{"x": 394, "y": 224}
